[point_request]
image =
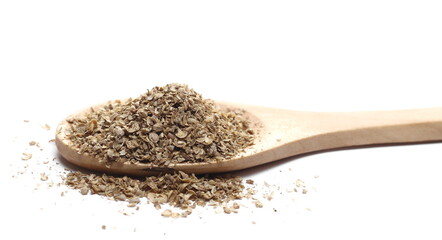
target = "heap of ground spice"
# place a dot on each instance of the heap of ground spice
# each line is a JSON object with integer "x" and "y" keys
{"x": 180, "y": 190}
{"x": 169, "y": 124}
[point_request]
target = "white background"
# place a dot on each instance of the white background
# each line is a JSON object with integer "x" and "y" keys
{"x": 60, "y": 56}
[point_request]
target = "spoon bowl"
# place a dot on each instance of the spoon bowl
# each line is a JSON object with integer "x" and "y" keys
{"x": 284, "y": 133}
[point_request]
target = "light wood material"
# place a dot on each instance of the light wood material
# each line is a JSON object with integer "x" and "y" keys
{"x": 285, "y": 133}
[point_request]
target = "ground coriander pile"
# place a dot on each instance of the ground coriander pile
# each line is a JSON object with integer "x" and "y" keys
{"x": 169, "y": 124}
{"x": 179, "y": 190}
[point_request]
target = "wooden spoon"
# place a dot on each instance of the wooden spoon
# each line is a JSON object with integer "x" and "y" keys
{"x": 285, "y": 133}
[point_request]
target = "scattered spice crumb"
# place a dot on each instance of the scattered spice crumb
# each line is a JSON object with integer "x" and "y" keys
{"x": 186, "y": 213}
{"x": 120, "y": 197}
{"x": 132, "y": 205}
{"x": 103, "y": 227}
{"x": 166, "y": 213}
{"x": 43, "y": 177}
{"x": 232, "y": 208}
{"x": 26, "y": 121}
{"x": 134, "y": 200}
{"x": 170, "y": 213}
{"x": 227, "y": 210}
{"x": 84, "y": 190}
{"x": 26, "y": 156}
{"x": 299, "y": 183}
{"x": 258, "y": 204}
{"x": 34, "y": 143}
{"x": 46, "y": 127}
{"x": 249, "y": 181}
{"x": 269, "y": 196}
{"x": 175, "y": 215}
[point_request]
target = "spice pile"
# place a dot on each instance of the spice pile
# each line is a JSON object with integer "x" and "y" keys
{"x": 179, "y": 190}
{"x": 165, "y": 125}
{"x": 170, "y": 124}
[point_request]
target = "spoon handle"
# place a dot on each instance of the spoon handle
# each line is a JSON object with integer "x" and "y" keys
{"x": 338, "y": 130}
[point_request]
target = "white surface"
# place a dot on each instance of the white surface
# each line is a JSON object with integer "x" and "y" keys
{"x": 59, "y": 56}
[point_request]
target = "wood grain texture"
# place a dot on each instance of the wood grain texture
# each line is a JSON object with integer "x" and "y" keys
{"x": 285, "y": 133}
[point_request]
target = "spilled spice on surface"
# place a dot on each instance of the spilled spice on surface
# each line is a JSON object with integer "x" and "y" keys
{"x": 179, "y": 190}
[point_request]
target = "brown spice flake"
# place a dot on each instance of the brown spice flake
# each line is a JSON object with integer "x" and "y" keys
{"x": 258, "y": 204}
{"x": 26, "y": 156}
{"x": 84, "y": 190}
{"x": 34, "y": 143}
{"x": 43, "y": 177}
{"x": 46, "y": 127}
{"x": 227, "y": 210}
{"x": 132, "y": 205}
{"x": 120, "y": 197}
{"x": 269, "y": 196}
{"x": 169, "y": 213}
{"x": 231, "y": 209}
{"x": 134, "y": 200}
{"x": 166, "y": 213}
{"x": 299, "y": 183}
{"x": 250, "y": 181}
